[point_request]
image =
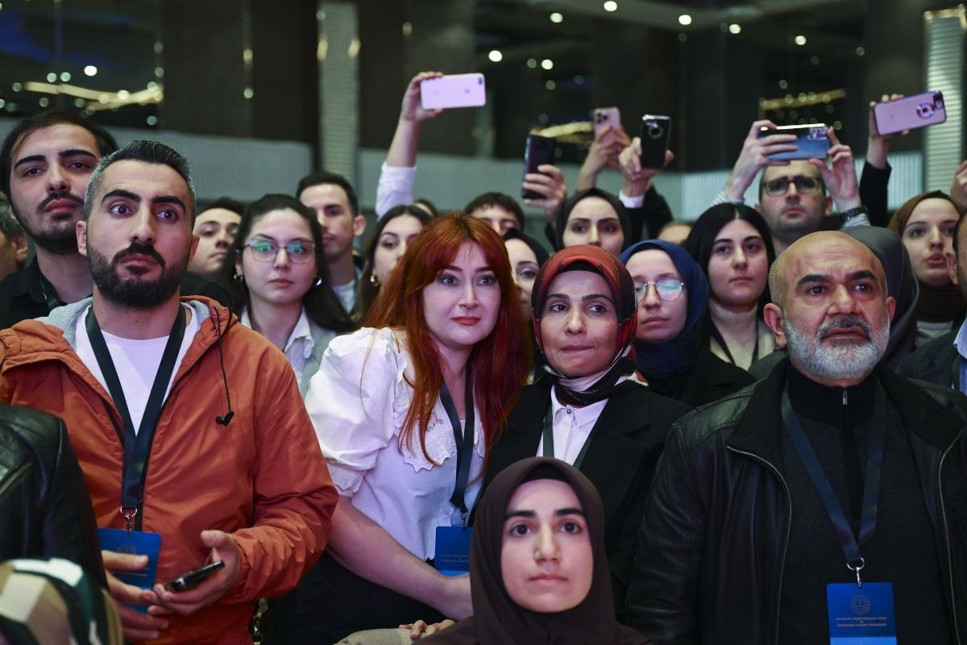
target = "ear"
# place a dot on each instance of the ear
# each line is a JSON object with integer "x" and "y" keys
{"x": 952, "y": 267}
{"x": 238, "y": 266}
{"x": 21, "y": 247}
{"x": 80, "y": 230}
{"x": 772, "y": 315}
{"x": 194, "y": 247}
{"x": 891, "y": 306}
{"x": 829, "y": 205}
{"x": 359, "y": 225}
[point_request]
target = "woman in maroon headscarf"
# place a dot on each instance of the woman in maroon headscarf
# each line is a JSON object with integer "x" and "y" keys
{"x": 591, "y": 409}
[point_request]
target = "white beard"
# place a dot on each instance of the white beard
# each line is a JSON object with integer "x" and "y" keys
{"x": 840, "y": 361}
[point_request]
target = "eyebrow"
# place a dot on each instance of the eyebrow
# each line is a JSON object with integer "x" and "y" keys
{"x": 590, "y": 296}
{"x": 457, "y": 269}
{"x": 744, "y": 239}
{"x": 560, "y": 512}
{"x": 127, "y": 194}
{"x": 62, "y": 155}
{"x": 812, "y": 278}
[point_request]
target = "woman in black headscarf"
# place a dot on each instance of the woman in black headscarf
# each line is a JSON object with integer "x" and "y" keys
{"x": 591, "y": 409}
{"x": 538, "y": 563}
{"x": 670, "y": 353}
{"x": 595, "y": 217}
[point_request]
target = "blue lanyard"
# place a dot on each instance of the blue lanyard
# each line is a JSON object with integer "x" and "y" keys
{"x": 464, "y": 445}
{"x": 137, "y": 445}
{"x": 871, "y": 487}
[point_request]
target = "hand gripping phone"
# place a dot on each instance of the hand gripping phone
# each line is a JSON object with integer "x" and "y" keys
{"x": 538, "y": 150}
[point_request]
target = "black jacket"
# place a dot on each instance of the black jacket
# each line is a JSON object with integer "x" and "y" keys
{"x": 626, "y": 442}
{"x": 715, "y": 531}
{"x": 45, "y": 510}
{"x": 935, "y": 361}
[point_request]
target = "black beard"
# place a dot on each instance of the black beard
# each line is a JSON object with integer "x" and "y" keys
{"x": 57, "y": 241}
{"x": 135, "y": 293}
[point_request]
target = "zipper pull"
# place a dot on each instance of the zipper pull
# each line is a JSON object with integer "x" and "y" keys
{"x": 844, "y": 397}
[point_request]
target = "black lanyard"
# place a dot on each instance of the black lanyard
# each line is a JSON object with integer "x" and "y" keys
{"x": 137, "y": 445}
{"x": 871, "y": 487}
{"x": 465, "y": 445}
{"x": 548, "y": 450}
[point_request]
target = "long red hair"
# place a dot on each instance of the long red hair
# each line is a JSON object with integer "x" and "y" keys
{"x": 500, "y": 361}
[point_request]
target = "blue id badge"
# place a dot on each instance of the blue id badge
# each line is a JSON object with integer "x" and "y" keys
{"x": 134, "y": 543}
{"x": 861, "y": 615}
{"x": 452, "y": 550}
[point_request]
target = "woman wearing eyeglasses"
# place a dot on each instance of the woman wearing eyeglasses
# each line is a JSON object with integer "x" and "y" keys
{"x": 732, "y": 244}
{"x": 591, "y": 409}
{"x": 279, "y": 282}
{"x": 672, "y": 295}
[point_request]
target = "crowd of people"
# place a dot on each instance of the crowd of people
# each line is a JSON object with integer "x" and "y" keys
{"x": 739, "y": 426}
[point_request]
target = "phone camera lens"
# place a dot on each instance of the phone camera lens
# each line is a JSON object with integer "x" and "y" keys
{"x": 925, "y": 110}
{"x": 655, "y": 131}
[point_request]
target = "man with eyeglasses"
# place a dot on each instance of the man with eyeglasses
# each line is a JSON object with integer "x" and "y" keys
{"x": 793, "y": 195}
{"x": 189, "y": 428}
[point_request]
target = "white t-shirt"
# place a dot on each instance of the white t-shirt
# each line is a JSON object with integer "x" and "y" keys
{"x": 357, "y": 401}
{"x": 136, "y": 362}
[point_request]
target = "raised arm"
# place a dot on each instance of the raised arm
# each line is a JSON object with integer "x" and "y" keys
{"x": 399, "y": 170}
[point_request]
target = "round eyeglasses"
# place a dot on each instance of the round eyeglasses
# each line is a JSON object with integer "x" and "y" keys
{"x": 268, "y": 250}
{"x": 668, "y": 289}
{"x": 804, "y": 184}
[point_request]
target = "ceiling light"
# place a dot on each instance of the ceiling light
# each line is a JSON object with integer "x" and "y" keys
{"x": 800, "y": 40}
{"x": 684, "y": 19}
{"x": 547, "y": 63}
{"x": 610, "y": 5}
{"x": 557, "y": 18}
{"x": 735, "y": 29}
{"x": 90, "y": 70}
{"x": 495, "y": 56}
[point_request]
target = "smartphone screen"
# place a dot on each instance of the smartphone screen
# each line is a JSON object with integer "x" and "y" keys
{"x": 811, "y": 141}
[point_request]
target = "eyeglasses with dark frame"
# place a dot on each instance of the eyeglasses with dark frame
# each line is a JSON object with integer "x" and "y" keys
{"x": 267, "y": 250}
{"x": 804, "y": 184}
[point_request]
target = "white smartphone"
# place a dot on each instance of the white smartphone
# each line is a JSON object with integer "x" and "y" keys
{"x": 909, "y": 113}
{"x": 456, "y": 90}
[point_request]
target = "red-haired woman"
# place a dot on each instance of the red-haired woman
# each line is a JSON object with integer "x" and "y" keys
{"x": 445, "y": 350}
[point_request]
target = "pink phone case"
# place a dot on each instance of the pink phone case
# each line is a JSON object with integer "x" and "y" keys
{"x": 910, "y": 113}
{"x": 457, "y": 90}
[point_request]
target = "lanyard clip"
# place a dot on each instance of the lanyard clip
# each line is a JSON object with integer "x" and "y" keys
{"x": 856, "y": 566}
{"x": 128, "y": 514}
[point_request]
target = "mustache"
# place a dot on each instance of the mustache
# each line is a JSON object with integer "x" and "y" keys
{"x": 140, "y": 249}
{"x": 847, "y": 322}
{"x": 60, "y": 194}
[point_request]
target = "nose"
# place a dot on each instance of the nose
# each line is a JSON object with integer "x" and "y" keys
{"x": 57, "y": 179}
{"x": 546, "y": 547}
{"x": 574, "y": 323}
{"x": 281, "y": 259}
{"x": 224, "y": 239}
{"x": 934, "y": 237}
{"x": 651, "y": 299}
{"x": 469, "y": 299}
{"x": 739, "y": 258}
{"x": 142, "y": 225}
{"x": 842, "y": 300}
{"x": 593, "y": 238}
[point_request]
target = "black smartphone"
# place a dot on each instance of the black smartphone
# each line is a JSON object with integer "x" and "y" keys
{"x": 655, "y": 135}
{"x": 811, "y": 141}
{"x": 538, "y": 150}
{"x": 193, "y": 578}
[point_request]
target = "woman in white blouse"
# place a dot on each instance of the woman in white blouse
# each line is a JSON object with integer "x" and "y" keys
{"x": 446, "y": 351}
{"x": 277, "y": 278}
